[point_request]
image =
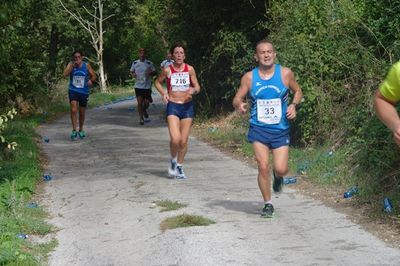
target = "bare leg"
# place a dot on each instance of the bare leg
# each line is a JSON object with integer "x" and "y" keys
{"x": 82, "y": 114}
{"x": 185, "y": 127}
{"x": 139, "y": 100}
{"x": 264, "y": 177}
{"x": 175, "y": 134}
{"x": 281, "y": 159}
{"x": 74, "y": 114}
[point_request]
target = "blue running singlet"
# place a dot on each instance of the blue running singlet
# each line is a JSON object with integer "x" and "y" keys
{"x": 79, "y": 78}
{"x": 269, "y": 102}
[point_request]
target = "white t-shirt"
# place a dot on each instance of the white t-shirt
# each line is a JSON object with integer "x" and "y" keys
{"x": 138, "y": 67}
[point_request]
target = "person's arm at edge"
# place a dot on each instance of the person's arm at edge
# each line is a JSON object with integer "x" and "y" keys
{"x": 92, "y": 75}
{"x": 297, "y": 94}
{"x": 387, "y": 113}
{"x": 68, "y": 69}
{"x": 195, "y": 82}
{"x": 157, "y": 83}
{"x": 239, "y": 100}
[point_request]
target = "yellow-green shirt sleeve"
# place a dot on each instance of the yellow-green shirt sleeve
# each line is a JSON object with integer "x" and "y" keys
{"x": 390, "y": 87}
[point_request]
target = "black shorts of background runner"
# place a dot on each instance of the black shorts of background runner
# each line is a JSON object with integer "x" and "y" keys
{"x": 145, "y": 93}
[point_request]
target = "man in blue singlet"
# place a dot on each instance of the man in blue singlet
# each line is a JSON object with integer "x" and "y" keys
{"x": 268, "y": 87}
{"x": 82, "y": 78}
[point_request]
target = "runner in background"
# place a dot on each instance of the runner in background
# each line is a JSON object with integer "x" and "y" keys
{"x": 82, "y": 77}
{"x": 142, "y": 70}
{"x": 167, "y": 61}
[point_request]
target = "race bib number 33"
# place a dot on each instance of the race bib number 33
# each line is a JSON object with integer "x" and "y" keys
{"x": 269, "y": 111}
{"x": 180, "y": 81}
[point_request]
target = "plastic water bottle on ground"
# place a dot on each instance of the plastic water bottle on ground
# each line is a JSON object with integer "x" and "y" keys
{"x": 349, "y": 193}
{"x": 22, "y": 236}
{"x": 387, "y": 205}
{"x": 289, "y": 180}
{"x": 47, "y": 177}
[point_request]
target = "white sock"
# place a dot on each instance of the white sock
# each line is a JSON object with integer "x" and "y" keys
{"x": 270, "y": 202}
{"x": 174, "y": 159}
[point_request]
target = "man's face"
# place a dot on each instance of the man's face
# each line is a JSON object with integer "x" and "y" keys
{"x": 169, "y": 56}
{"x": 77, "y": 59}
{"x": 142, "y": 54}
{"x": 178, "y": 55}
{"x": 265, "y": 54}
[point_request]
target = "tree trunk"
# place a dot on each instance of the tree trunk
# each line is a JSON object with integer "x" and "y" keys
{"x": 103, "y": 80}
{"x": 103, "y": 84}
{"x": 53, "y": 51}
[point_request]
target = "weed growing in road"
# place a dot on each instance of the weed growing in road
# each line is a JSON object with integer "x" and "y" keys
{"x": 184, "y": 220}
{"x": 168, "y": 205}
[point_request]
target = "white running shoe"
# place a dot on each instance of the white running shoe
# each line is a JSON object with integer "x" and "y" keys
{"x": 172, "y": 172}
{"x": 181, "y": 174}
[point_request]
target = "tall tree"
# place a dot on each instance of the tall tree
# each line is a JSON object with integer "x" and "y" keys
{"x": 93, "y": 24}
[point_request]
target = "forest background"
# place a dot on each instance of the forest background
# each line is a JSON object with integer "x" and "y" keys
{"x": 339, "y": 50}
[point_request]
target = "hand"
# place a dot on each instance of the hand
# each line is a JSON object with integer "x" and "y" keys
{"x": 243, "y": 108}
{"x": 291, "y": 112}
{"x": 90, "y": 83}
{"x": 396, "y": 133}
{"x": 165, "y": 98}
{"x": 192, "y": 91}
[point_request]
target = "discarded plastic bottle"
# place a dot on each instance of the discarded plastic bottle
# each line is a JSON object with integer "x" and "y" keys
{"x": 387, "y": 205}
{"x": 349, "y": 193}
{"x": 32, "y": 205}
{"x": 22, "y": 236}
{"x": 289, "y": 180}
{"x": 47, "y": 177}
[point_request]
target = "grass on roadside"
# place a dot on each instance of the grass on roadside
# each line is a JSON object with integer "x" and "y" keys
{"x": 20, "y": 172}
{"x": 184, "y": 220}
{"x": 115, "y": 94}
{"x": 168, "y": 205}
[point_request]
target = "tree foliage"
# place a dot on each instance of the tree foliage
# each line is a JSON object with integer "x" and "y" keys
{"x": 339, "y": 51}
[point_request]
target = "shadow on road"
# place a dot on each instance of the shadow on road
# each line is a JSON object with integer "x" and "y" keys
{"x": 250, "y": 207}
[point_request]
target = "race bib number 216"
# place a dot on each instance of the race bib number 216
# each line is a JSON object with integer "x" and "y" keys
{"x": 180, "y": 81}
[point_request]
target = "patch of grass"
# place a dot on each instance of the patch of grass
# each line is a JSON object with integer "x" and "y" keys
{"x": 184, "y": 220}
{"x": 228, "y": 133}
{"x": 168, "y": 205}
{"x": 20, "y": 171}
{"x": 115, "y": 94}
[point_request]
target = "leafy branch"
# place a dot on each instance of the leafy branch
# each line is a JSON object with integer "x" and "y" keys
{"x": 4, "y": 119}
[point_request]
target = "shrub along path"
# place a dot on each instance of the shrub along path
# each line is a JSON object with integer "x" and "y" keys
{"x": 104, "y": 187}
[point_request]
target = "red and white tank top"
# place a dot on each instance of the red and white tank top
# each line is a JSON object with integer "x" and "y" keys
{"x": 179, "y": 81}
